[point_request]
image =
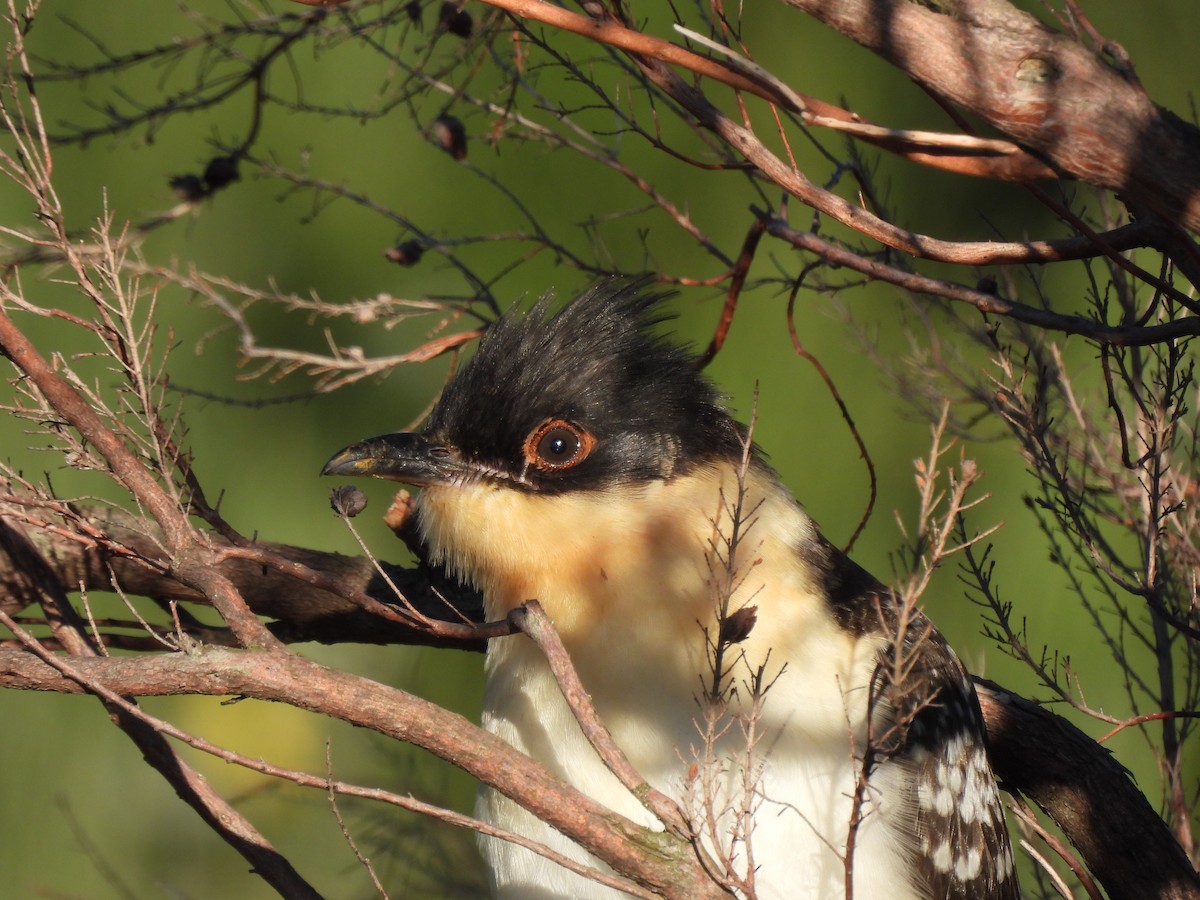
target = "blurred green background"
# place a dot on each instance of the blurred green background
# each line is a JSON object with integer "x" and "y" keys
{"x": 82, "y": 816}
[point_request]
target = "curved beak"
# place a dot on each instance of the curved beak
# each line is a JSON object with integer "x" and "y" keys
{"x": 408, "y": 457}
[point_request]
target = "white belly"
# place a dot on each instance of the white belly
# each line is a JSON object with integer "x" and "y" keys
{"x": 800, "y": 793}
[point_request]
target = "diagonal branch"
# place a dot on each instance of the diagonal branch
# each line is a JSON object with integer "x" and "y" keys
{"x": 1045, "y": 90}
{"x": 189, "y": 785}
{"x": 669, "y": 868}
{"x": 533, "y": 621}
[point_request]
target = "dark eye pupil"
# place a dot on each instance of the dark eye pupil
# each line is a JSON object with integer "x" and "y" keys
{"x": 557, "y": 445}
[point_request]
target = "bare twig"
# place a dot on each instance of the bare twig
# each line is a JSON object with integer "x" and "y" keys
{"x": 533, "y": 621}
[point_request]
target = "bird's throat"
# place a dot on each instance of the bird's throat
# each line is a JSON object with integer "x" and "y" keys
{"x": 667, "y": 559}
{"x": 593, "y": 555}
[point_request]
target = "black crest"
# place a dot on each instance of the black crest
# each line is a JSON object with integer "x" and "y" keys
{"x": 596, "y": 363}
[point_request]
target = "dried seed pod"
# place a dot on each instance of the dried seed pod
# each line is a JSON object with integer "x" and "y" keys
{"x": 451, "y": 135}
{"x": 456, "y": 20}
{"x": 407, "y": 254}
{"x": 221, "y": 171}
{"x": 736, "y": 627}
{"x": 347, "y": 500}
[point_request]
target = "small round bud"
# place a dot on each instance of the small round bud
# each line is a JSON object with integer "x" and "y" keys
{"x": 347, "y": 501}
{"x": 412, "y": 9}
{"x": 407, "y": 254}
{"x": 220, "y": 172}
{"x": 451, "y": 135}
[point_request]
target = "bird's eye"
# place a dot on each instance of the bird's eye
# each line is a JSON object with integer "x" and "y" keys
{"x": 557, "y": 444}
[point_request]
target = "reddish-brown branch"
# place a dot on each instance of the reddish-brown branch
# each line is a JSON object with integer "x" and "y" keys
{"x": 989, "y": 159}
{"x": 312, "y": 595}
{"x": 1026, "y": 815}
{"x": 1148, "y": 717}
{"x": 985, "y": 158}
{"x": 653, "y": 54}
{"x": 189, "y": 785}
{"x": 737, "y": 281}
{"x": 867, "y": 223}
{"x": 863, "y": 453}
{"x": 671, "y": 869}
{"x": 1048, "y": 92}
{"x": 1065, "y": 772}
{"x": 991, "y": 304}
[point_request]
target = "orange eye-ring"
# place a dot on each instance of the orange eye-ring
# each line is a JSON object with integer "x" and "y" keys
{"x": 557, "y": 444}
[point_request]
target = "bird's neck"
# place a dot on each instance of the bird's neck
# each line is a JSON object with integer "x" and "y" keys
{"x": 635, "y": 577}
{"x": 624, "y": 551}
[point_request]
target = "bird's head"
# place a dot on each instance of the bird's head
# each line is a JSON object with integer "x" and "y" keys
{"x": 588, "y": 398}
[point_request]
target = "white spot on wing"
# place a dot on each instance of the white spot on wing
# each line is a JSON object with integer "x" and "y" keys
{"x": 942, "y": 857}
{"x": 968, "y": 865}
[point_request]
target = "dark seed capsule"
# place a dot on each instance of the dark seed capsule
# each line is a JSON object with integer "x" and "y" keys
{"x": 451, "y": 135}
{"x": 456, "y": 20}
{"x": 986, "y": 284}
{"x": 221, "y": 171}
{"x": 736, "y": 627}
{"x": 407, "y": 254}
{"x": 347, "y": 500}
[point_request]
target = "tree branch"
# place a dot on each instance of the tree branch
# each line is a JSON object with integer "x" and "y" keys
{"x": 1034, "y": 751}
{"x": 1055, "y": 97}
{"x": 307, "y": 592}
{"x": 189, "y": 785}
{"x": 670, "y": 867}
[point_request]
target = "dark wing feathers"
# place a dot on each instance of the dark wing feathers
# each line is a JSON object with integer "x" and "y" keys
{"x": 928, "y": 727}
